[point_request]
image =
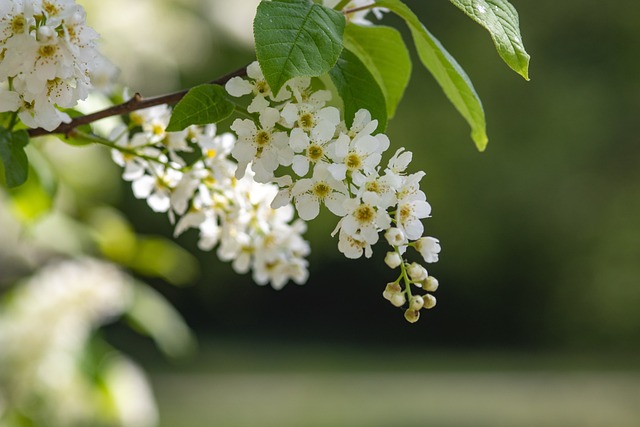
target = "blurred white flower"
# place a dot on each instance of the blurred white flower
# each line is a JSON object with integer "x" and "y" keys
{"x": 45, "y": 327}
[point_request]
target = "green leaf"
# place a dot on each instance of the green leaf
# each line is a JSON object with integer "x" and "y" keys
{"x": 500, "y": 18}
{"x": 448, "y": 73}
{"x": 383, "y": 52}
{"x": 202, "y": 105}
{"x": 154, "y": 316}
{"x": 14, "y": 159}
{"x": 358, "y": 89}
{"x": 296, "y": 38}
{"x": 34, "y": 198}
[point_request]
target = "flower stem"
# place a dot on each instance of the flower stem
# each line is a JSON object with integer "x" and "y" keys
{"x": 12, "y": 121}
{"x": 359, "y": 9}
{"x": 125, "y": 150}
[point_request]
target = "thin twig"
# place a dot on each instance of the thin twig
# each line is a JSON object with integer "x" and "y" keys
{"x": 133, "y": 104}
{"x": 358, "y": 9}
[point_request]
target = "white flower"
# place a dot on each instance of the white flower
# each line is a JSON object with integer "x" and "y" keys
{"x": 285, "y": 193}
{"x": 134, "y": 167}
{"x": 399, "y": 162}
{"x": 358, "y": 153}
{"x": 353, "y": 245}
{"x": 9, "y": 100}
{"x": 265, "y": 147}
{"x": 237, "y": 86}
{"x": 412, "y": 207}
{"x": 314, "y": 148}
{"x": 307, "y": 117}
{"x": 363, "y": 221}
{"x": 321, "y": 188}
{"x": 157, "y": 189}
{"x": 429, "y": 248}
{"x": 379, "y": 190}
{"x": 48, "y": 59}
{"x": 303, "y": 94}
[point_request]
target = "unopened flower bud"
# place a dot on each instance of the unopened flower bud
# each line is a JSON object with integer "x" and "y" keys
{"x": 393, "y": 259}
{"x": 45, "y": 34}
{"x": 412, "y": 316}
{"x": 431, "y": 284}
{"x": 391, "y": 289}
{"x": 395, "y": 237}
{"x": 417, "y": 273}
{"x": 398, "y": 299}
{"x": 429, "y": 301}
{"x": 416, "y": 303}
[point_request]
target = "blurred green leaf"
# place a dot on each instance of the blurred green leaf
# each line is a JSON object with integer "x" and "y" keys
{"x": 153, "y": 315}
{"x": 384, "y": 53}
{"x": 296, "y": 38}
{"x": 34, "y": 198}
{"x": 500, "y": 18}
{"x": 358, "y": 89}
{"x": 151, "y": 256}
{"x": 14, "y": 159}
{"x": 202, "y": 105}
{"x": 159, "y": 256}
{"x": 448, "y": 73}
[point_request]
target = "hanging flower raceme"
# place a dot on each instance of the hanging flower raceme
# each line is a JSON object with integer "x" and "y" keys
{"x": 338, "y": 166}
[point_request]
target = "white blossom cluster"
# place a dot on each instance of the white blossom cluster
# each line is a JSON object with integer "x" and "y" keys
{"x": 47, "y": 56}
{"x": 45, "y": 329}
{"x": 231, "y": 212}
{"x": 316, "y": 159}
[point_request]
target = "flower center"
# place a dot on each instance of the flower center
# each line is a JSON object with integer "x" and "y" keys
{"x": 262, "y": 87}
{"x": 48, "y": 50}
{"x": 405, "y": 212}
{"x": 321, "y": 189}
{"x": 315, "y": 152}
{"x": 373, "y": 186}
{"x": 17, "y": 24}
{"x": 263, "y": 138}
{"x": 364, "y": 214}
{"x": 50, "y": 8}
{"x": 353, "y": 161}
{"x": 306, "y": 121}
{"x": 157, "y": 129}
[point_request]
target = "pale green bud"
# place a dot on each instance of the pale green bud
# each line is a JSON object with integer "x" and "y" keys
{"x": 412, "y": 316}
{"x": 398, "y": 299}
{"x": 391, "y": 289}
{"x": 416, "y": 303}
{"x": 417, "y": 273}
{"x": 431, "y": 284}
{"x": 429, "y": 301}
{"x": 393, "y": 259}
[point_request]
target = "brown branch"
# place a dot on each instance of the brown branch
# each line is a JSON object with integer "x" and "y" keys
{"x": 135, "y": 103}
{"x": 358, "y": 9}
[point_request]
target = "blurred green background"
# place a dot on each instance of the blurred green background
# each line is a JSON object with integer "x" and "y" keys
{"x": 537, "y": 320}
